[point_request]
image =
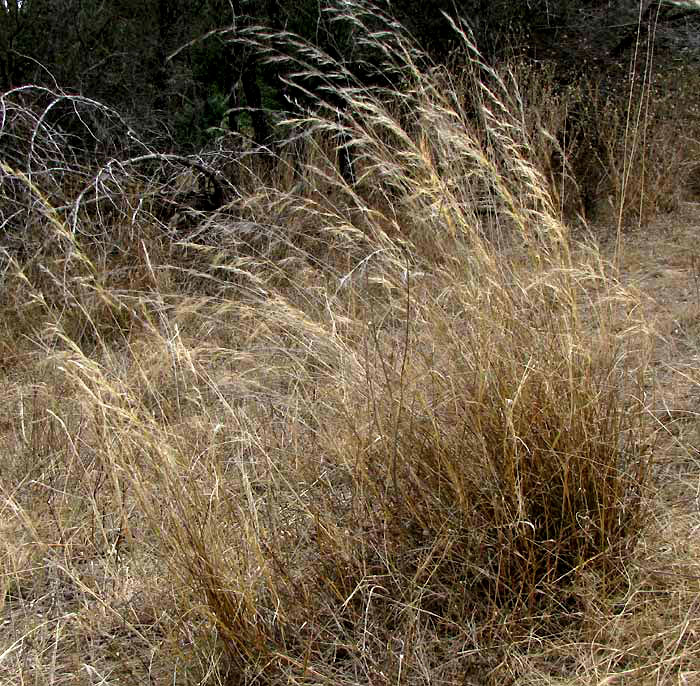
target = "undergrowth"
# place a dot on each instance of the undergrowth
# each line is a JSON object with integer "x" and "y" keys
{"x": 387, "y": 427}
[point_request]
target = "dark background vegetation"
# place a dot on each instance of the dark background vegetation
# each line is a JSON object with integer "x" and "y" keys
{"x": 178, "y": 72}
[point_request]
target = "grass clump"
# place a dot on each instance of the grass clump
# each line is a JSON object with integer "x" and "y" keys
{"x": 514, "y": 456}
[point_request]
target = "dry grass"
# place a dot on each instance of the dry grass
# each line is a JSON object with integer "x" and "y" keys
{"x": 401, "y": 430}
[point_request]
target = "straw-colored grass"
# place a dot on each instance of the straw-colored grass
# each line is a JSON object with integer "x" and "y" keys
{"x": 393, "y": 430}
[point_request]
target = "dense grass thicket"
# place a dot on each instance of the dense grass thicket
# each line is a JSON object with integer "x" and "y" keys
{"x": 393, "y": 426}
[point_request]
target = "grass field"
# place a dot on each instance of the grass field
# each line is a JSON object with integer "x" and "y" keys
{"x": 433, "y": 424}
